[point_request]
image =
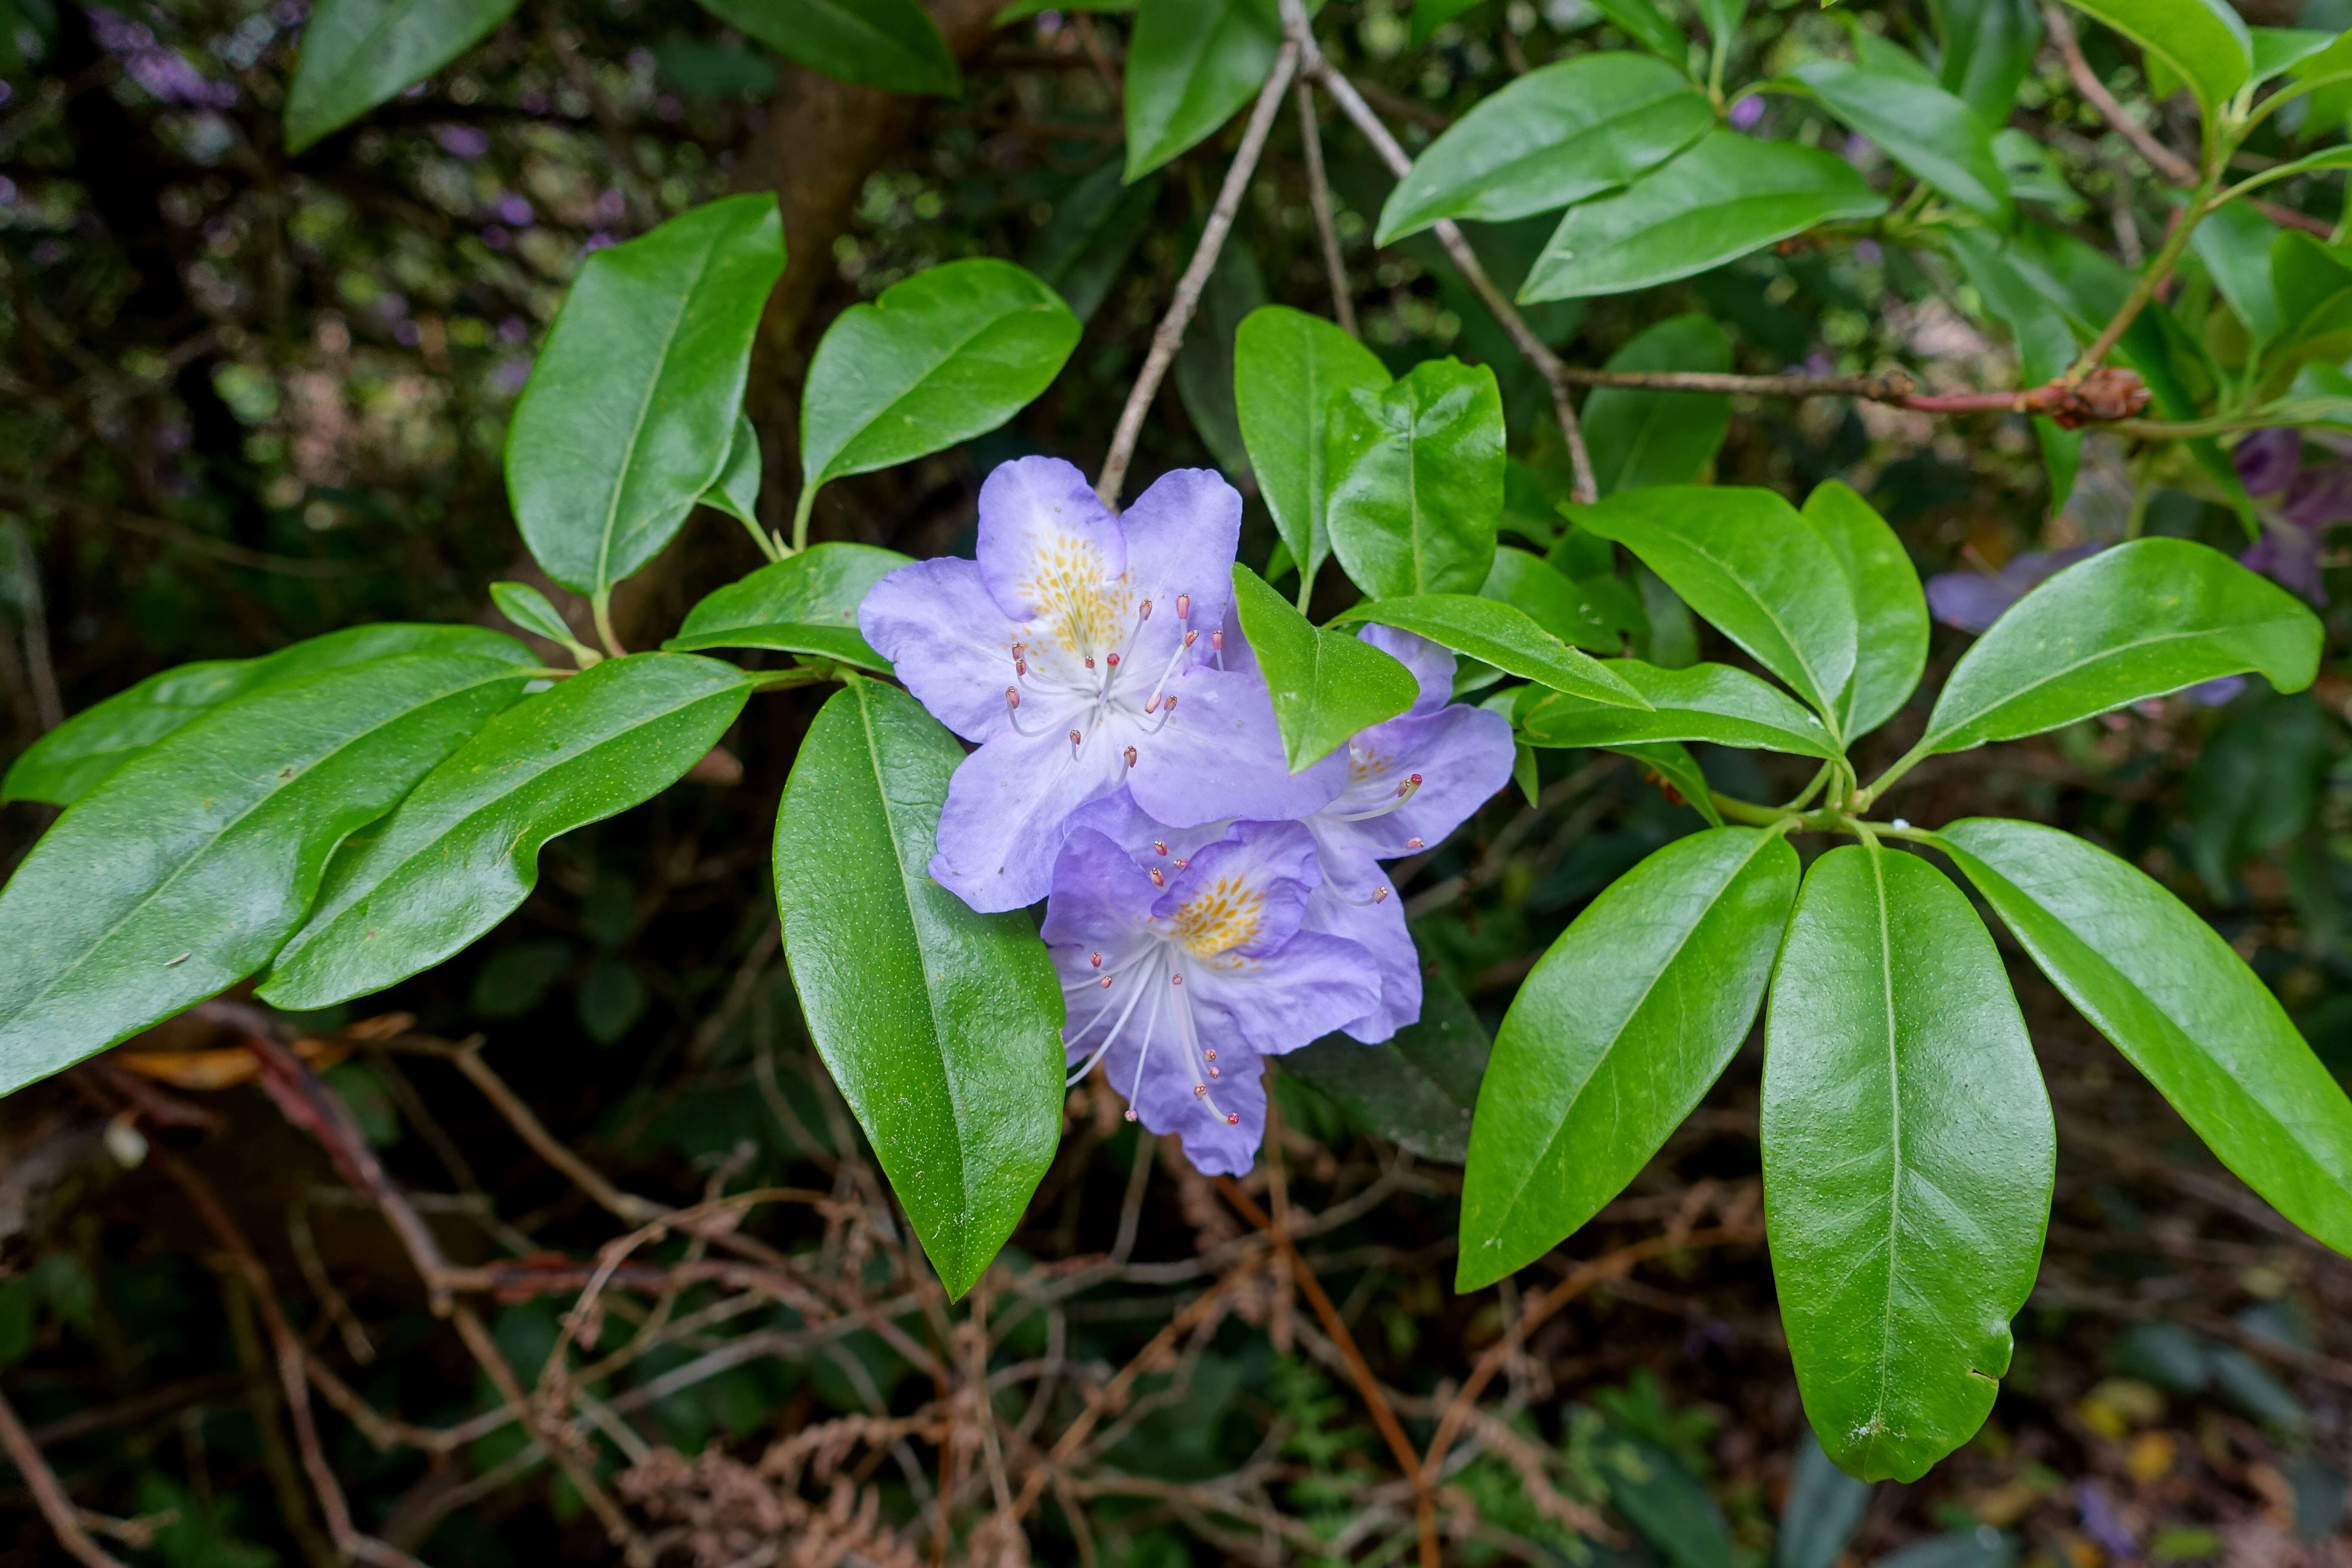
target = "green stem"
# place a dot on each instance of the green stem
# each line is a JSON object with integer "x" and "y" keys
{"x": 799, "y": 675}
{"x": 1812, "y": 789}
{"x": 1903, "y": 765}
{"x": 1307, "y": 583}
{"x": 2152, "y": 275}
{"x": 769, "y": 546}
{"x": 800, "y": 510}
{"x": 602, "y": 606}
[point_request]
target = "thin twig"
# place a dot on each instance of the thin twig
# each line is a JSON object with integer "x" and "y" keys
{"x": 64, "y": 1518}
{"x": 1318, "y": 197}
{"x": 1375, "y": 1398}
{"x": 1168, "y": 336}
{"x": 2161, "y": 158}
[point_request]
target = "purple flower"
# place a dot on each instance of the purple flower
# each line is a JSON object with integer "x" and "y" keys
{"x": 1745, "y": 112}
{"x": 1972, "y": 601}
{"x": 513, "y": 211}
{"x": 2289, "y": 556}
{"x": 2319, "y": 496}
{"x": 2100, "y": 1524}
{"x": 1080, "y": 651}
{"x": 2218, "y": 692}
{"x": 1183, "y": 976}
{"x": 463, "y": 141}
{"x": 2266, "y": 459}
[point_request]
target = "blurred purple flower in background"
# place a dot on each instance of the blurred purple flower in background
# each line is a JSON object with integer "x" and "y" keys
{"x": 2287, "y": 554}
{"x": 1972, "y": 601}
{"x": 1747, "y": 112}
{"x": 2267, "y": 459}
{"x": 468, "y": 141}
{"x": 513, "y": 210}
{"x": 165, "y": 73}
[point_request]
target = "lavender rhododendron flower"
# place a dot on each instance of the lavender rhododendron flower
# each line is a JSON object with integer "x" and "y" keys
{"x": 1081, "y": 651}
{"x": 1182, "y": 976}
{"x": 2267, "y": 459}
{"x": 2288, "y": 555}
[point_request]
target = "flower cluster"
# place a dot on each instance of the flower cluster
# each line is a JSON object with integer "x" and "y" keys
{"x": 1206, "y": 907}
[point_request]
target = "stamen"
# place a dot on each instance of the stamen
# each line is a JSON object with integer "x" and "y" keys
{"x": 1199, "y": 1090}
{"x": 1232, "y": 1119}
{"x": 1090, "y": 664}
{"x": 1210, "y": 1055}
{"x": 1380, "y": 894}
{"x": 1130, "y": 1116}
{"x": 1111, "y": 660}
{"x": 1175, "y": 980}
{"x": 1160, "y": 845}
{"x": 1013, "y": 712}
{"x": 1143, "y": 611}
{"x": 1167, "y": 713}
{"x": 1193, "y": 636}
{"x": 1077, "y": 741}
{"x": 1404, "y": 791}
{"x": 1217, "y": 641}
{"x": 1412, "y": 843}
{"x": 1158, "y": 879}
{"x": 1130, "y": 756}
{"x": 1214, "y": 1073}
{"x": 1183, "y": 607}
{"x": 1095, "y": 959}
{"x": 1100, "y": 1051}
{"x": 1182, "y": 864}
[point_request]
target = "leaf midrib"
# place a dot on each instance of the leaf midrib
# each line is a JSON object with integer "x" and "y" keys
{"x": 229, "y": 827}
{"x": 1894, "y": 1134}
{"x": 644, "y": 408}
{"x": 1796, "y": 652}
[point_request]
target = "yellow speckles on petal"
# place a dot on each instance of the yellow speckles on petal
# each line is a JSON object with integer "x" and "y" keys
{"x": 1082, "y": 606}
{"x": 1366, "y": 767}
{"x": 1220, "y": 918}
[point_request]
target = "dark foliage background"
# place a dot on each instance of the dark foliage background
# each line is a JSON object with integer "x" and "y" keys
{"x": 251, "y": 397}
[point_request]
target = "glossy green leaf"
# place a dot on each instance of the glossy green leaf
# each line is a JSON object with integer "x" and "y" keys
{"x": 1552, "y": 137}
{"x": 630, "y": 412}
{"x": 1824, "y": 1511}
{"x": 1672, "y": 764}
{"x": 1615, "y": 1036}
{"x": 1722, "y": 18}
{"x": 1289, "y": 369}
{"x": 2181, "y": 1006}
{"x": 2235, "y": 243}
{"x": 1988, "y": 46}
{"x": 2277, "y": 50}
{"x": 1711, "y": 702}
{"x": 954, "y": 350}
{"x": 71, "y": 759}
{"x": 356, "y": 54}
{"x": 1649, "y": 26}
{"x": 1890, "y": 609}
{"x": 1925, "y": 128}
{"x": 806, "y": 603}
{"x": 181, "y": 873}
{"x": 939, "y": 1025}
{"x": 2203, "y": 41}
{"x": 1908, "y": 1156}
{"x": 1325, "y": 684}
{"x": 1639, "y": 439}
{"x": 1745, "y": 560}
{"x": 461, "y": 853}
{"x": 525, "y": 606}
{"x": 1190, "y": 66}
{"x": 890, "y": 44}
{"x": 1081, "y": 251}
{"x": 1724, "y": 197}
{"x": 1507, "y": 637}
{"x": 736, "y": 491}
{"x": 1416, "y": 1089}
{"x": 1416, "y": 477}
{"x": 2138, "y": 620}
{"x": 1535, "y": 588}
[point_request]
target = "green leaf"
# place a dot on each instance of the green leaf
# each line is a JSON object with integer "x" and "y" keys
{"x": 2045, "y": 342}
{"x": 1647, "y": 26}
{"x": 1909, "y": 1155}
{"x": 1504, "y": 636}
{"x": 357, "y": 54}
{"x": 954, "y": 350}
{"x": 1890, "y": 610}
{"x": 1289, "y": 369}
{"x": 2235, "y": 243}
{"x": 2181, "y": 1006}
{"x": 1722, "y": 18}
{"x": 736, "y": 491}
{"x": 890, "y": 44}
{"x": 1641, "y": 438}
{"x": 71, "y": 759}
{"x": 1722, "y": 198}
{"x": 2277, "y": 50}
{"x": 941, "y": 1026}
{"x": 1711, "y": 702}
{"x": 1746, "y": 561}
{"x": 2311, "y": 282}
{"x": 1415, "y": 1090}
{"x": 1082, "y": 250}
{"x": 2135, "y": 621}
{"x": 1416, "y": 477}
{"x": 1922, "y": 127}
{"x": 1825, "y": 1509}
{"x": 2203, "y": 41}
{"x": 1326, "y": 685}
{"x": 526, "y": 606}
{"x": 1672, "y": 764}
{"x": 1615, "y": 1036}
{"x": 806, "y": 603}
{"x": 630, "y": 412}
{"x": 179, "y": 875}
{"x": 1428, "y": 15}
{"x": 461, "y": 853}
{"x": 1552, "y": 137}
{"x": 1988, "y": 46}
{"x": 1190, "y": 64}
{"x": 1535, "y": 588}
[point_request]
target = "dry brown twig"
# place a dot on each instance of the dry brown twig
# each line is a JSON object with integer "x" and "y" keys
{"x": 48, "y": 1496}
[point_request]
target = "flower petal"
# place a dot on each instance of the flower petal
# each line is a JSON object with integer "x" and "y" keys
{"x": 1349, "y": 905}
{"x": 1431, "y": 663}
{"x": 1221, "y": 756}
{"x": 1464, "y": 755}
{"x": 1241, "y": 897}
{"x": 1303, "y": 990}
{"x": 1164, "y": 1101}
{"x": 1007, "y": 814}
{"x": 1051, "y": 555}
{"x": 947, "y": 640}
{"x": 1180, "y": 537}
